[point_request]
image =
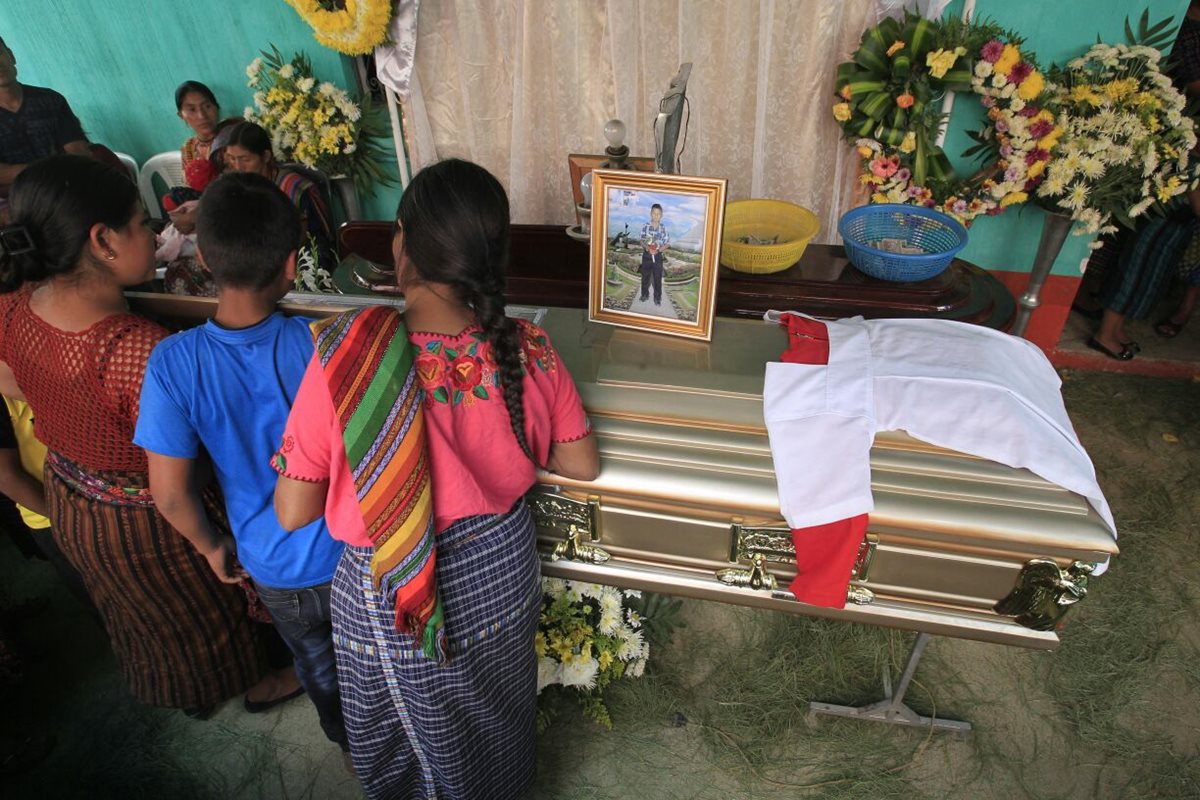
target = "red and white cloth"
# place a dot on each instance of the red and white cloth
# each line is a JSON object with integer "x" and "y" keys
{"x": 954, "y": 385}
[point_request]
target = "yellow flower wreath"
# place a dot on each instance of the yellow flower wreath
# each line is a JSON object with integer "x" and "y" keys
{"x": 354, "y": 30}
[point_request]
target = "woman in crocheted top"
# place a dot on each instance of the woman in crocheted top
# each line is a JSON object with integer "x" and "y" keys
{"x": 70, "y": 347}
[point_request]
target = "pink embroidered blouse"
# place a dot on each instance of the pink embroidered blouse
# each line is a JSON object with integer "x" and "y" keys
{"x": 477, "y": 465}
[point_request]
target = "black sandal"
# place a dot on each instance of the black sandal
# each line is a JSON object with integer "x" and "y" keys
{"x": 1125, "y": 355}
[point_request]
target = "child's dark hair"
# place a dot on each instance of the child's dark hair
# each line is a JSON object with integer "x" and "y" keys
{"x": 245, "y": 230}
{"x": 53, "y": 205}
{"x": 656, "y": 205}
{"x": 250, "y": 136}
{"x": 187, "y": 87}
{"x": 454, "y": 216}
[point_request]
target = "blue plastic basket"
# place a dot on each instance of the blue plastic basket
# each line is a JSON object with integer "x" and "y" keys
{"x": 940, "y": 236}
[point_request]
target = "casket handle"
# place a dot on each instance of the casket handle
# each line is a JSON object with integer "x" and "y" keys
{"x": 571, "y": 549}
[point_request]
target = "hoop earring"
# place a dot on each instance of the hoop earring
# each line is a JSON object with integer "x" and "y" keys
{"x": 110, "y": 255}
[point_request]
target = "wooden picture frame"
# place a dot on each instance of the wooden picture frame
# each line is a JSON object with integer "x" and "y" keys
{"x": 580, "y": 164}
{"x": 655, "y": 272}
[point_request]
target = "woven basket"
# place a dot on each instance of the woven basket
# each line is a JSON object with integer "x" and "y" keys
{"x": 937, "y": 235}
{"x": 766, "y": 219}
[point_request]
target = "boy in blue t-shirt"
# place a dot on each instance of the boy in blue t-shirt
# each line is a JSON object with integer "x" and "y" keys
{"x": 225, "y": 388}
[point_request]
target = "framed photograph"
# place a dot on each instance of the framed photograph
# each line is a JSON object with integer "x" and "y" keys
{"x": 581, "y": 164}
{"x": 656, "y": 241}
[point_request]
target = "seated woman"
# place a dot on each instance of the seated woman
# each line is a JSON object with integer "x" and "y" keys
{"x": 177, "y": 243}
{"x": 250, "y": 150}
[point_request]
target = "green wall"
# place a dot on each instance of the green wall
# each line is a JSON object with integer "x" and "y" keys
{"x": 118, "y": 61}
{"x": 1054, "y": 31}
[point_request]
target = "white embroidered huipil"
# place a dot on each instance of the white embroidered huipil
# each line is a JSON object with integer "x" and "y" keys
{"x": 954, "y": 385}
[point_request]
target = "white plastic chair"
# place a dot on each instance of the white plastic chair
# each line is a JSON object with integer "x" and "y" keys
{"x": 168, "y": 167}
{"x": 130, "y": 165}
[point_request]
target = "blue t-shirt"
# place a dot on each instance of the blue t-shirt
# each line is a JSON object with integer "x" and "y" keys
{"x": 230, "y": 391}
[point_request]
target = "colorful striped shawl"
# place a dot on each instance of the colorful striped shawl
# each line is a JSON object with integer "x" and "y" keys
{"x": 368, "y": 366}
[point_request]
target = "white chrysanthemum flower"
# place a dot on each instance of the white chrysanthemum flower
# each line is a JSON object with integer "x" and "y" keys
{"x": 581, "y": 673}
{"x": 287, "y": 71}
{"x": 1077, "y": 196}
{"x": 327, "y": 89}
{"x": 631, "y": 644}
{"x": 1052, "y": 186}
{"x": 610, "y": 623}
{"x": 983, "y": 69}
{"x": 555, "y": 587}
{"x": 247, "y": 112}
{"x": 1149, "y": 161}
{"x": 1139, "y": 208}
{"x": 633, "y": 618}
{"x": 999, "y": 81}
{"x": 1092, "y": 168}
{"x": 572, "y": 591}
{"x": 306, "y": 84}
{"x": 349, "y": 148}
{"x": 549, "y": 673}
{"x": 253, "y": 68}
{"x": 635, "y": 668}
{"x": 636, "y": 592}
{"x": 592, "y": 590}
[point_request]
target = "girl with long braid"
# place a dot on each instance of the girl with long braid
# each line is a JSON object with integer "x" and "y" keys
{"x": 418, "y": 438}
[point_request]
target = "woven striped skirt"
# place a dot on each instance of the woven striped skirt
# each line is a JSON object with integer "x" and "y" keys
{"x": 181, "y": 637}
{"x": 464, "y": 730}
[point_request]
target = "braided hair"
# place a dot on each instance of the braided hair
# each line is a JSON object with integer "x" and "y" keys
{"x": 456, "y": 231}
{"x": 52, "y": 208}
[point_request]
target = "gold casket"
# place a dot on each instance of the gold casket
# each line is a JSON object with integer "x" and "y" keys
{"x": 686, "y": 500}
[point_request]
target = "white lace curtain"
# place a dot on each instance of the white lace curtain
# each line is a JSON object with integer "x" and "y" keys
{"x": 516, "y": 85}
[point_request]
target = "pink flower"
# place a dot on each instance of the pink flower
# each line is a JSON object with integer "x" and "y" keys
{"x": 987, "y": 101}
{"x": 1006, "y": 150}
{"x": 994, "y": 211}
{"x": 903, "y": 174}
{"x": 1040, "y": 128}
{"x": 1020, "y": 72}
{"x": 885, "y": 167}
{"x": 1036, "y": 155}
{"x": 914, "y": 191}
{"x": 1029, "y": 111}
{"x": 1001, "y": 126}
{"x": 959, "y": 207}
{"x": 992, "y": 51}
{"x": 1012, "y": 173}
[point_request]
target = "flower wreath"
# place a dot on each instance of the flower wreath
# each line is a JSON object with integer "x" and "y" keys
{"x": 353, "y": 27}
{"x": 890, "y": 93}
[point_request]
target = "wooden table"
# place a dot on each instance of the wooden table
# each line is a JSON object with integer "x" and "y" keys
{"x": 549, "y": 268}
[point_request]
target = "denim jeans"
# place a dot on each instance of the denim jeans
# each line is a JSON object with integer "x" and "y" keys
{"x": 302, "y": 619}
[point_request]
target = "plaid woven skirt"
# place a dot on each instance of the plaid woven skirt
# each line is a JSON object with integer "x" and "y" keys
{"x": 181, "y": 637}
{"x": 464, "y": 730}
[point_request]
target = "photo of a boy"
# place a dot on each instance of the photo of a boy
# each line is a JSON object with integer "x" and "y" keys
{"x": 655, "y": 241}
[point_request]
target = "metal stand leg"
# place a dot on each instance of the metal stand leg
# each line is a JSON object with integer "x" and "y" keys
{"x": 892, "y": 709}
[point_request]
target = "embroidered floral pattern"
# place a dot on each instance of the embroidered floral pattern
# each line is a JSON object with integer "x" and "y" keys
{"x": 462, "y": 371}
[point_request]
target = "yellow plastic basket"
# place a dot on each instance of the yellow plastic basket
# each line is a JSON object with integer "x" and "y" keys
{"x": 766, "y": 219}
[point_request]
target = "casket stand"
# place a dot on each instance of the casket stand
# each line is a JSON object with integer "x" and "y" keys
{"x": 686, "y": 501}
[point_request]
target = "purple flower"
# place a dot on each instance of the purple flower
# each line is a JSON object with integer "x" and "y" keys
{"x": 987, "y": 101}
{"x": 959, "y": 207}
{"x": 903, "y": 174}
{"x": 1020, "y": 72}
{"x": 992, "y": 51}
{"x": 1012, "y": 173}
{"x": 1006, "y": 150}
{"x": 1001, "y": 126}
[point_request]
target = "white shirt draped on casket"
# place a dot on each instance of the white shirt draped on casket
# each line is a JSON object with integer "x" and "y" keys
{"x": 954, "y": 385}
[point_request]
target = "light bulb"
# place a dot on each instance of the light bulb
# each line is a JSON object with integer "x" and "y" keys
{"x": 585, "y": 186}
{"x": 614, "y": 131}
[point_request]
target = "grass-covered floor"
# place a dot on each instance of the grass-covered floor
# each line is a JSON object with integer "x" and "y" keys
{"x": 722, "y": 713}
